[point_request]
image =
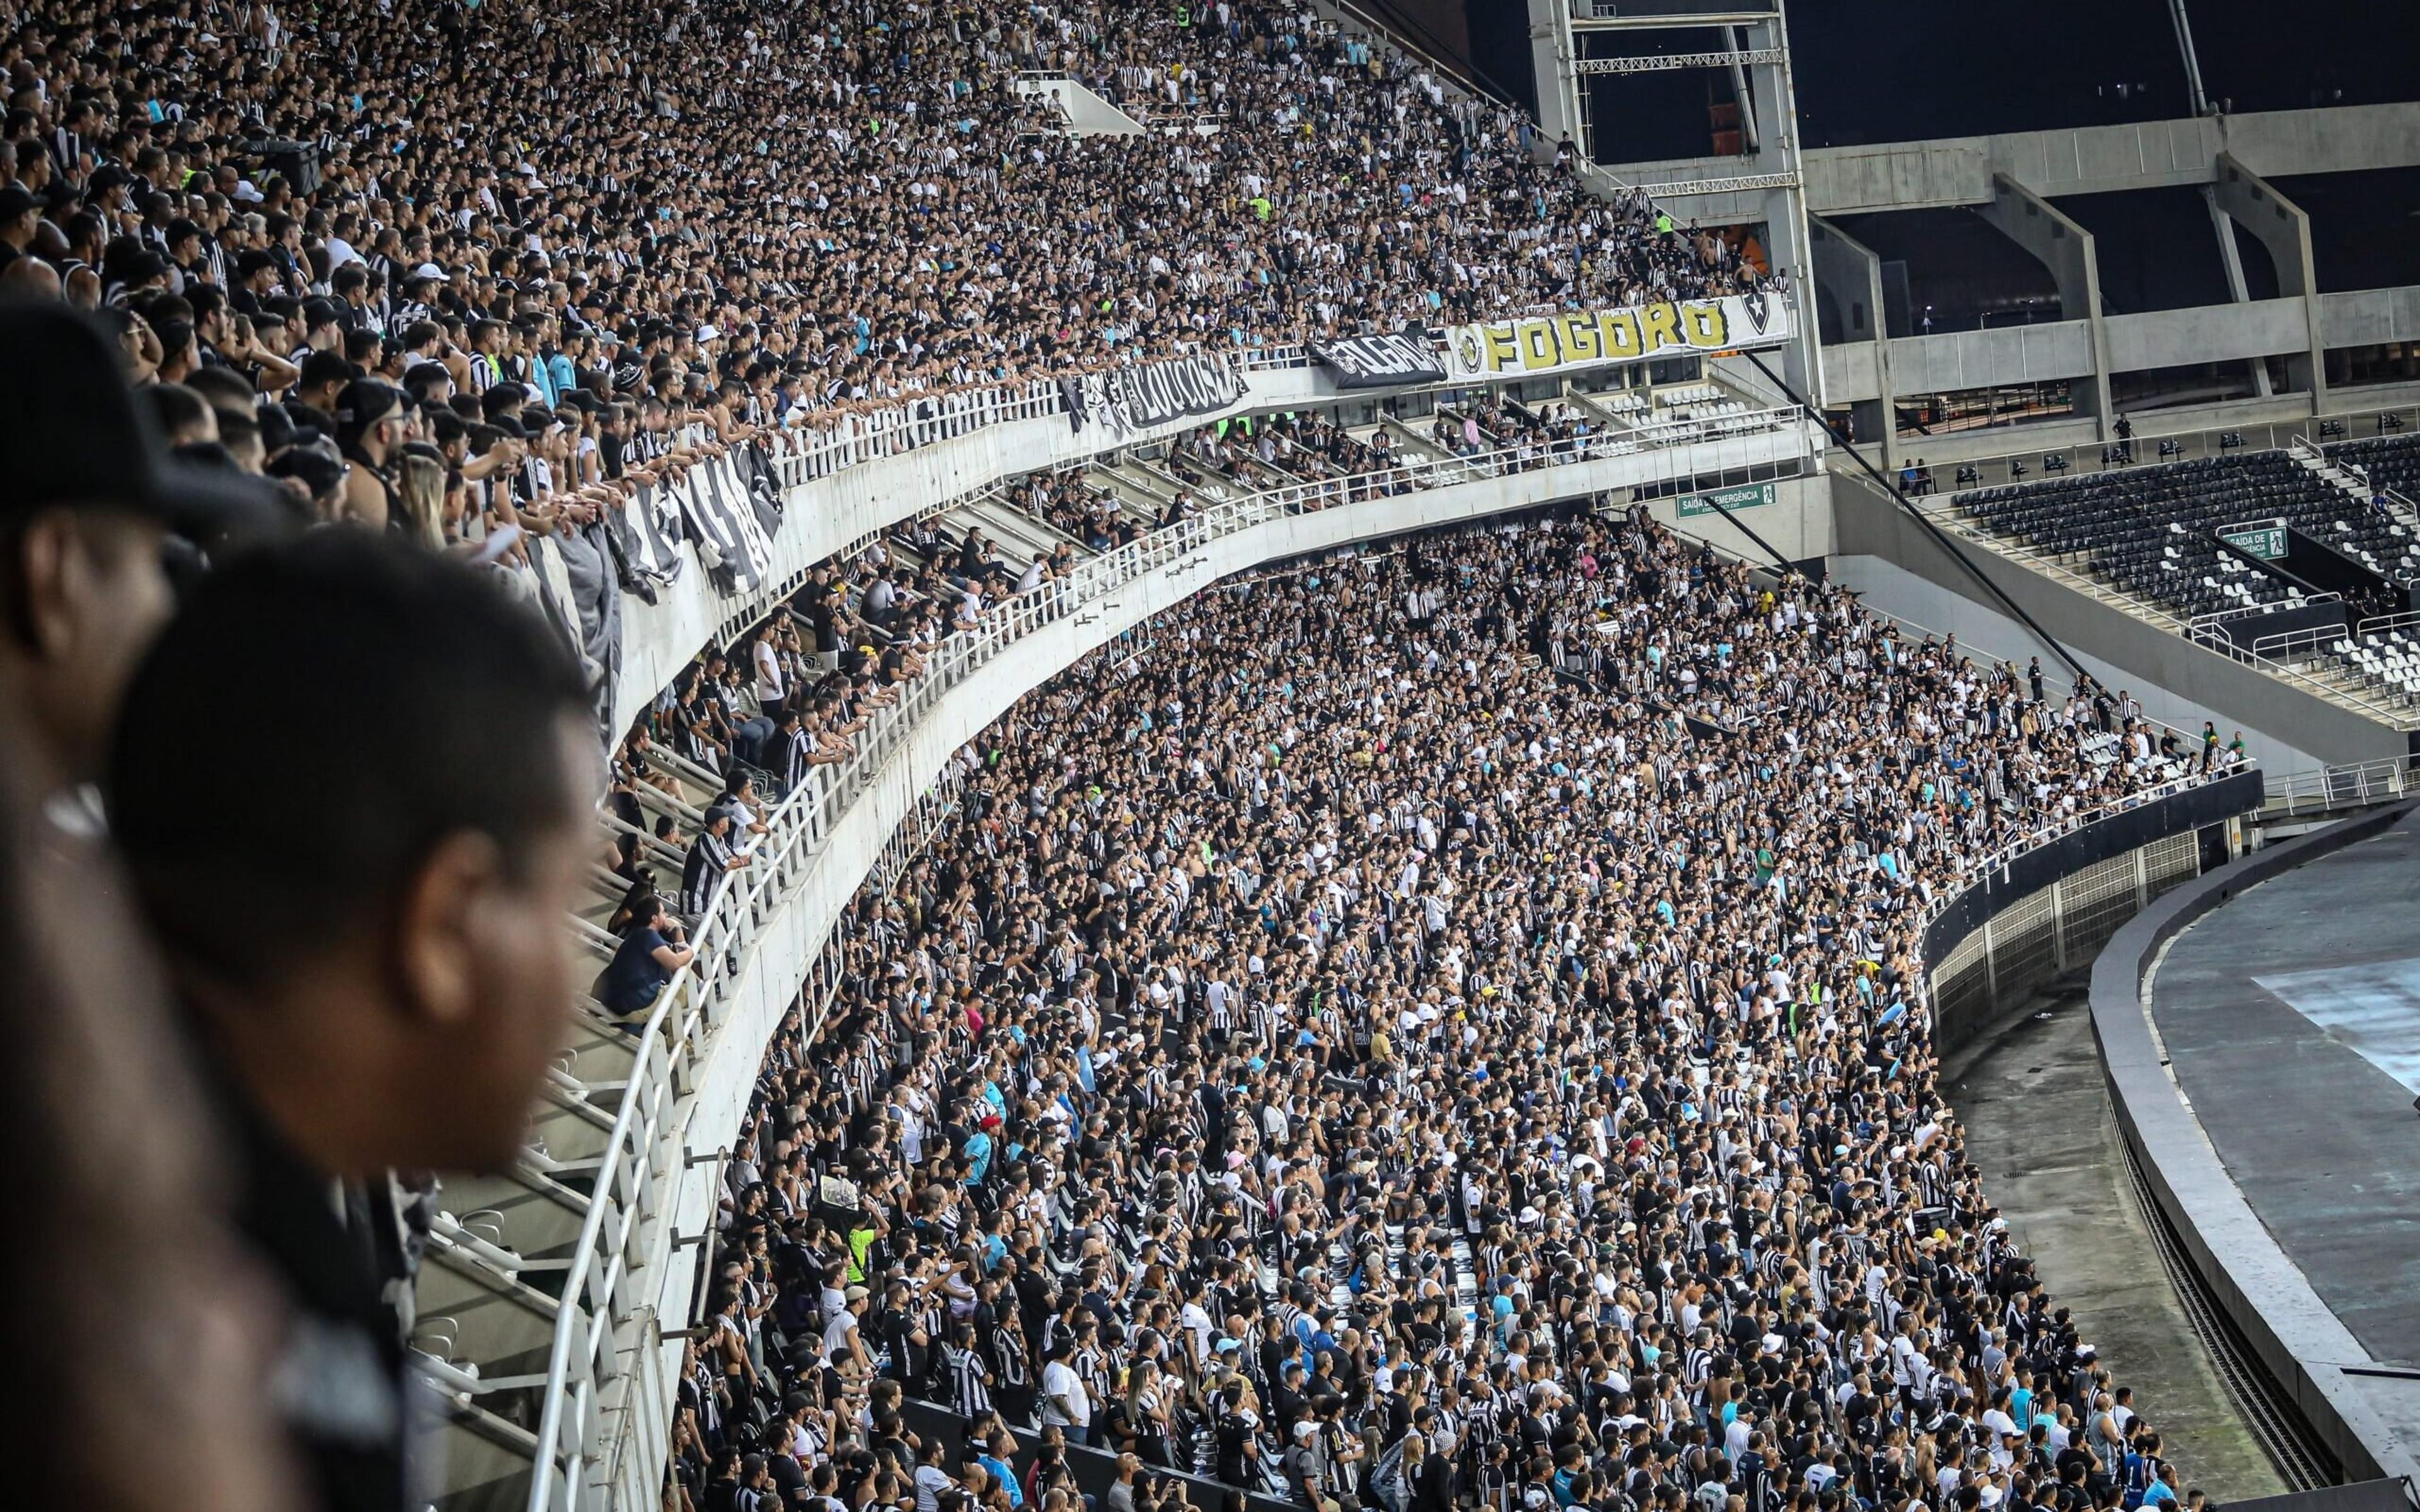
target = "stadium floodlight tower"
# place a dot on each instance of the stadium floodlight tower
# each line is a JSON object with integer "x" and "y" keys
{"x": 1751, "y": 177}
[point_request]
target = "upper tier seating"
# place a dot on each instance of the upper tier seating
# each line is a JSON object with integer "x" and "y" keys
{"x": 2391, "y": 461}
{"x": 2149, "y": 529}
{"x": 854, "y": 196}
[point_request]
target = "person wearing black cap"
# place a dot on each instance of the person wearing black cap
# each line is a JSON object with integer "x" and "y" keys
{"x": 380, "y": 982}
{"x": 370, "y": 430}
{"x": 86, "y": 503}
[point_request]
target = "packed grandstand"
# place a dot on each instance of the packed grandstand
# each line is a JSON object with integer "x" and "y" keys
{"x": 1337, "y": 1055}
{"x": 1438, "y": 1026}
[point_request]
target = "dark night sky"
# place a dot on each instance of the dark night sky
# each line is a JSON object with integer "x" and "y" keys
{"x": 1877, "y": 70}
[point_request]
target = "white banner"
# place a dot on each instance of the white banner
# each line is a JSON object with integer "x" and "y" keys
{"x": 1588, "y": 339}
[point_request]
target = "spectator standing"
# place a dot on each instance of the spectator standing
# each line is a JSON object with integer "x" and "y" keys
{"x": 86, "y": 504}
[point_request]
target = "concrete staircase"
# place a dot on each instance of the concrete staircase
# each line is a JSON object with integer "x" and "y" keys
{"x": 2318, "y": 464}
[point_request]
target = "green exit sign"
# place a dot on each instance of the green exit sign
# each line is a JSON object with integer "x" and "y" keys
{"x": 1747, "y": 496}
{"x": 2262, "y": 538}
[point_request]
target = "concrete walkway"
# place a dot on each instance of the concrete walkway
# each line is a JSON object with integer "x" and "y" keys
{"x": 2038, "y": 1127}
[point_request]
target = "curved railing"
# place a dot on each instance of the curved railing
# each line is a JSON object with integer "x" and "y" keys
{"x": 2016, "y": 917}
{"x": 837, "y": 441}
{"x": 640, "y": 1151}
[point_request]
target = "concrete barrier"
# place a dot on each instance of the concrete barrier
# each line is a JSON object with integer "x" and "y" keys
{"x": 2298, "y": 1340}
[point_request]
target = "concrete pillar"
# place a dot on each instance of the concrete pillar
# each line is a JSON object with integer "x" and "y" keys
{"x": 1553, "y": 59}
{"x": 2279, "y": 224}
{"x": 1848, "y": 280}
{"x": 2233, "y": 262}
{"x": 2063, "y": 247}
{"x": 1773, "y": 94}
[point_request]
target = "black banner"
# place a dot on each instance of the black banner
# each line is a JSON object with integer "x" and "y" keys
{"x": 1137, "y": 399}
{"x": 1379, "y": 362}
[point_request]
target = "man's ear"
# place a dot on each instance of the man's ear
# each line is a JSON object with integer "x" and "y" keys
{"x": 437, "y": 928}
{"x": 39, "y": 597}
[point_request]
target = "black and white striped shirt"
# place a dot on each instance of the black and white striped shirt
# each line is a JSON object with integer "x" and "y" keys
{"x": 970, "y": 1382}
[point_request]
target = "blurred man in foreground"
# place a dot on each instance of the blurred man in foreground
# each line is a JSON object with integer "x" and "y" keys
{"x": 86, "y": 502}
{"x": 375, "y": 961}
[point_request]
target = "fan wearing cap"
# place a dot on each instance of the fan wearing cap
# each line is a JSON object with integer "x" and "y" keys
{"x": 86, "y": 504}
{"x": 371, "y": 430}
{"x": 20, "y": 218}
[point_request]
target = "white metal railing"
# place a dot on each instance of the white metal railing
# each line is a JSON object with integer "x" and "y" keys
{"x": 2253, "y": 611}
{"x": 2386, "y": 623}
{"x": 2069, "y": 824}
{"x": 2285, "y": 644}
{"x": 832, "y": 440}
{"x": 2084, "y": 454}
{"x": 2349, "y": 785}
{"x": 2044, "y": 833}
{"x": 641, "y": 1147}
{"x": 2395, "y": 498}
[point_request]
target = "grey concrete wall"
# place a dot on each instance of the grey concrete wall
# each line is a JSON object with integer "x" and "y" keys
{"x": 1905, "y": 176}
{"x": 2298, "y": 727}
{"x": 2005, "y": 355}
{"x": 1856, "y": 370}
{"x": 2277, "y": 222}
{"x": 1797, "y": 524}
{"x": 2369, "y": 318}
{"x": 1991, "y": 632}
{"x": 2065, "y": 247}
{"x": 2208, "y": 334}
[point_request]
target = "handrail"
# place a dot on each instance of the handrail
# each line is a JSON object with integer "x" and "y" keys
{"x": 2284, "y": 643}
{"x": 803, "y": 818}
{"x": 2344, "y": 785}
{"x": 2083, "y": 450}
{"x": 2381, "y": 624}
{"x": 832, "y": 440}
{"x": 2042, "y": 833}
{"x": 2250, "y": 612}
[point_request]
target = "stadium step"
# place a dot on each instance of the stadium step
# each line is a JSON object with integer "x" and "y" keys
{"x": 486, "y": 1462}
{"x": 1020, "y": 534}
{"x": 2336, "y": 682}
{"x": 1133, "y": 483}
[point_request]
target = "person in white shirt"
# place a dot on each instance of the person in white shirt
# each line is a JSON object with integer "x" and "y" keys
{"x": 769, "y": 683}
{"x": 842, "y": 1345}
{"x": 1064, "y": 1398}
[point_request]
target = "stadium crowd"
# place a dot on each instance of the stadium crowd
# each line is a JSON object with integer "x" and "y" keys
{"x": 770, "y": 216}
{"x": 1330, "y": 1053}
{"x": 1333, "y": 1052}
